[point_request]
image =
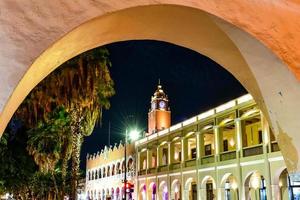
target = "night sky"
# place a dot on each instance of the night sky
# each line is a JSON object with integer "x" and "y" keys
{"x": 193, "y": 82}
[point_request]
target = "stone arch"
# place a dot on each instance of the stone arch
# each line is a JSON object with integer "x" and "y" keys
{"x": 229, "y": 186}
{"x": 253, "y": 181}
{"x": 190, "y": 189}
{"x": 258, "y": 68}
{"x": 108, "y": 172}
{"x": 118, "y": 168}
{"x": 142, "y": 192}
{"x": 113, "y": 169}
{"x": 152, "y": 191}
{"x": 163, "y": 191}
{"x": 208, "y": 187}
{"x": 118, "y": 195}
{"x": 175, "y": 189}
{"x": 130, "y": 164}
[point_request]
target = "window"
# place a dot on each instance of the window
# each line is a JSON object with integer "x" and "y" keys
{"x": 207, "y": 149}
{"x": 225, "y": 145}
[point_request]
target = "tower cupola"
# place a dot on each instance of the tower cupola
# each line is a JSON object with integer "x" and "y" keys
{"x": 159, "y": 116}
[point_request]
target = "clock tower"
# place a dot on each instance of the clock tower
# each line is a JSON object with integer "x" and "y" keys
{"x": 159, "y": 116}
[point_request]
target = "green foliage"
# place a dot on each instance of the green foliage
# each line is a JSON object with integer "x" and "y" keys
{"x": 16, "y": 165}
{"x": 46, "y": 140}
{"x": 57, "y": 113}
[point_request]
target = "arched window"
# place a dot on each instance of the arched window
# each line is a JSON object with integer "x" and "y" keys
{"x": 93, "y": 175}
{"x": 100, "y": 174}
{"x": 96, "y": 174}
{"x": 104, "y": 173}
{"x": 118, "y": 168}
{"x": 130, "y": 165}
{"x": 108, "y": 171}
{"x": 123, "y": 166}
{"x": 89, "y": 176}
{"x": 113, "y": 170}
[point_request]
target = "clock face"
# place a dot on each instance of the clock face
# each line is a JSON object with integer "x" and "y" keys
{"x": 153, "y": 105}
{"x": 162, "y": 104}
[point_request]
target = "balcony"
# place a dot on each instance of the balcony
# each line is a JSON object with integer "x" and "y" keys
{"x": 274, "y": 146}
{"x": 253, "y": 150}
{"x": 152, "y": 170}
{"x": 208, "y": 159}
{"x": 163, "y": 168}
{"x": 228, "y": 155}
{"x": 142, "y": 172}
{"x": 175, "y": 166}
{"x": 190, "y": 163}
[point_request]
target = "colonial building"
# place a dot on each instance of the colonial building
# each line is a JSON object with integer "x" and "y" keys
{"x": 228, "y": 152}
{"x": 105, "y": 173}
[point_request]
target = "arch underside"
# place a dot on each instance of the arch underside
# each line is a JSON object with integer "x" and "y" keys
{"x": 274, "y": 87}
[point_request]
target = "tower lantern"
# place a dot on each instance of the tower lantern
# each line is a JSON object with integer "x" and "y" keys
{"x": 159, "y": 116}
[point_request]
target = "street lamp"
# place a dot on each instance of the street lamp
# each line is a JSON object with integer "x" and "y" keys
{"x": 133, "y": 135}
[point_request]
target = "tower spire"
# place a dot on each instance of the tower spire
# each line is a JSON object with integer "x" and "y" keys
{"x": 159, "y": 81}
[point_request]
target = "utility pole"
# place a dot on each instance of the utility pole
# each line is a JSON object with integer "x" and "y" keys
{"x": 125, "y": 167}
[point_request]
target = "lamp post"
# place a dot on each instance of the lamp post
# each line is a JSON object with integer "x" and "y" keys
{"x": 134, "y": 135}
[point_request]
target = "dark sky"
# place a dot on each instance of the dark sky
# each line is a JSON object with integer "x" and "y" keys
{"x": 193, "y": 82}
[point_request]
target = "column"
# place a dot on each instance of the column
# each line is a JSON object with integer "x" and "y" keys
{"x": 149, "y": 158}
{"x": 217, "y": 143}
{"x": 198, "y": 157}
{"x": 198, "y": 146}
{"x": 138, "y": 162}
{"x": 169, "y": 153}
{"x": 157, "y": 157}
{"x": 266, "y": 141}
{"x": 239, "y": 149}
{"x": 182, "y": 150}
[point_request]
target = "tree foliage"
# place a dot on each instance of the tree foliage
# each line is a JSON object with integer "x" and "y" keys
{"x": 57, "y": 114}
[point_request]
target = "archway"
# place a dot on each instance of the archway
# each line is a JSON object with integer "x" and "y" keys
{"x": 118, "y": 196}
{"x": 255, "y": 66}
{"x": 190, "y": 189}
{"x": 229, "y": 187}
{"x": 176, "y": 190}
{"x": 130, "y": 164}
{"x": 152, "y": 191}
{"x": 255, "y": 186}
{"x": 208, "y": 188}
{"x": 163, "y": 191}
{"x": 142, "y": 192}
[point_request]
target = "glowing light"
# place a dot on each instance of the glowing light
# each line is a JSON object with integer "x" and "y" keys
{"x": 165, "y": 189}
{"x": 176, "y": 155}
{"x": 134, "y": 135}
{"x": 234, "y": 185}
{"x": 176, "y": 189}
{"x": 255, "y": 181}
{"x": 231, "y": 142}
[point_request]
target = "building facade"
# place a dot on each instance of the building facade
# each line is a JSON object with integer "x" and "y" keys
{"x": 228, "y": 152}
{"x": 105, "y": 173}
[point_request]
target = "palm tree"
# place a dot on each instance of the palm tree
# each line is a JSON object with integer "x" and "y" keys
{"x": 83, "y": 87}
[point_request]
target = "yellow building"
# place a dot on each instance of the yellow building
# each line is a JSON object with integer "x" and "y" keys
{"x": 228, "y": 152}
{"x": 105, "y": 172}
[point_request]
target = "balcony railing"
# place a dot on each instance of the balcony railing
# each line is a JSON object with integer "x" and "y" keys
{"x": 163, "y": 168}
{"x": 152, "y": 170}
{"x": 228, "y": 155}
{"x": 208, "y": 159}
{"x": 253, "y": 150}
{"x": 175, "y": 166}
{"x": 190, "y": 163}
{"x": 274, "y": 146}
{"x": 142, "y": 172}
